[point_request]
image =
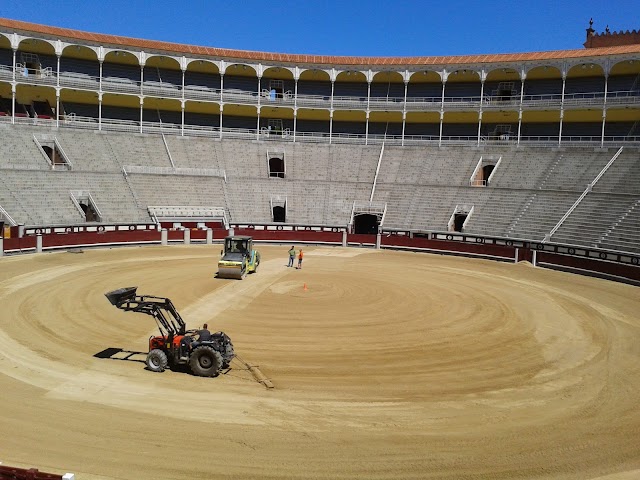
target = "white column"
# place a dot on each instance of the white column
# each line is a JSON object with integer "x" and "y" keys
{"x": 39, "y": 243}
{"x": 58, "y": 93}
{"x": 164, "y": 237}
{"x": 182, "y": 118}
{"x": 404, "y": 110}
{"x": 564, "y": 83}
{"x": 221, "y": 110}
{"x": 366, "y": 130}
{"x": 295, "y": 108}
{"x": 331, "y": 111}
{"x": 13, "y": 103}
{"x": 209, "y": 232}
{"x": 604, "y": 107}
{"x": 14, "y": 65}
{"x": 221, "y": 101}
{"x": 480, "y": 113}
{"x": 182, "y": 105}
{"x": 330, "y": 125}
{"x": 344, "y": 238}
{"x": 404, "y": 121}
{"x": 1, "y": 244}
{"x": 57, "y": 107}
{"x": 295, "y": 123}
{"x": 141, "y": 111}
{"x": 258, "y": 125}
{"x": 259, "y": 103}
{"x": 187, "y": 236}
{"x": 519, "y": 125}
{"x": 444, "y": 82}
{"x": 100, "y": 78}
{"x": 523, "y": 76}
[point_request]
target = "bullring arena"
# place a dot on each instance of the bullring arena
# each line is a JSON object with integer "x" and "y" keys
{"x": 388, "y": 365}
{"x": 468, "y": 302}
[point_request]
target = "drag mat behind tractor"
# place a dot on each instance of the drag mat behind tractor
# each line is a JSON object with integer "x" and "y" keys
{"x": 113, "y": 353}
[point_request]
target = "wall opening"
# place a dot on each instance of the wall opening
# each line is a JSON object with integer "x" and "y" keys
{"x": 487, "y": 170}
{"x": 279, "y": 214}
{"x": 366, "y": 224}
{"x": 458, "y": 221}
{"x": 276, "y": 167}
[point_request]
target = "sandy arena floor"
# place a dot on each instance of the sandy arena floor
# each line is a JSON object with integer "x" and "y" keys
{"x": 391, "y": 365}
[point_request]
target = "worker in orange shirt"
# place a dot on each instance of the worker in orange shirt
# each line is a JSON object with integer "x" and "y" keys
{"x": 300, "y": 255}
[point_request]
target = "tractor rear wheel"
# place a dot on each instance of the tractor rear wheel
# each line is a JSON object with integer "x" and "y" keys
{"x": 205, "y": 362}
{"x": 157, "y": 360}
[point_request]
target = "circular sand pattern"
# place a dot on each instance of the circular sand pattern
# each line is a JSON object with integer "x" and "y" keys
{"x": 386, "y": 365}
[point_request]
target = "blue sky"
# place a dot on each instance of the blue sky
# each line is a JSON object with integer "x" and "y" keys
{"x": 347, "y": 27}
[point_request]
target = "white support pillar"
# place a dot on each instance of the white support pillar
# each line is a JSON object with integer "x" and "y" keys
{"x": 523, "y": 76}
{"x": 39, "y": 243}
{"x": 14, "y": 65}
{"x": 331, "y": 110}
{"x": 221, "y": 110}
{"x": 209, "y": 232}
{"x": 232, "y": 232}
{"x": 187, "y": 236}
{"x": 100, "y": 78}
{"x": 564, "y": 83}
{"x": 182, "y": 103}
{"x": 330, "y": 125}
{"x": 481, "y": 103}
{"x": 1, "y": 244}
{"x": 404, "y": 110}
{"x": 366, "y": 130}
{"x": 444, "y": 83}
{"x": 99, "y": 110}
{"x": 519, "y": 125}
{"x": 164, "y": 237}
{"x": 258, "y": 125}
{"x": 13, "y": 103}
{"x": 368, "y": 92}
{"x": 295, "y": 123}
{"x": 378, "y": 241}
{"x": 517, "y": 254}
{"x": 57, "y": 107}
{"x": 604, "y": 108}
{"x": 404, "y": 122}
{"x": 58, "y": 92}
{"x": 344, "y": 238}
{"x": 534, "y": 258}
{"x": 141, "y": 111}
{"x": 259, "y": 101}
{"x": 295, "y": 106}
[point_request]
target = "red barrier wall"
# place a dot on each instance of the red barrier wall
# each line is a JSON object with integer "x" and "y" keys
{"x": 443, "y": 245}
{"x": 592, "y": 265}
{"x": 478, "y": 247}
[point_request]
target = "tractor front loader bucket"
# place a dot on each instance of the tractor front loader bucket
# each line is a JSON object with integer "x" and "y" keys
{"x": 121, "y": 295}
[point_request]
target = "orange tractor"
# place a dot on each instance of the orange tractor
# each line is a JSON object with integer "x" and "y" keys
{"x": 206, "y": 353}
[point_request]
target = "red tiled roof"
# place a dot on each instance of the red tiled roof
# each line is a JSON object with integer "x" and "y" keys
{"x": 301, "y": 59}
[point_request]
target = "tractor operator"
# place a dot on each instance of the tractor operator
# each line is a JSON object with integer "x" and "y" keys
{"x": 204, "y": 335}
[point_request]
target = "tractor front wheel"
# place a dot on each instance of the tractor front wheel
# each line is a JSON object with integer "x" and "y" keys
{"x": 205, "y": 362}
{"x": 157, "y": 360}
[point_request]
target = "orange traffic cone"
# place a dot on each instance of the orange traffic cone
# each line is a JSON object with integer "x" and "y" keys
{"x": 305, "y": 287}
